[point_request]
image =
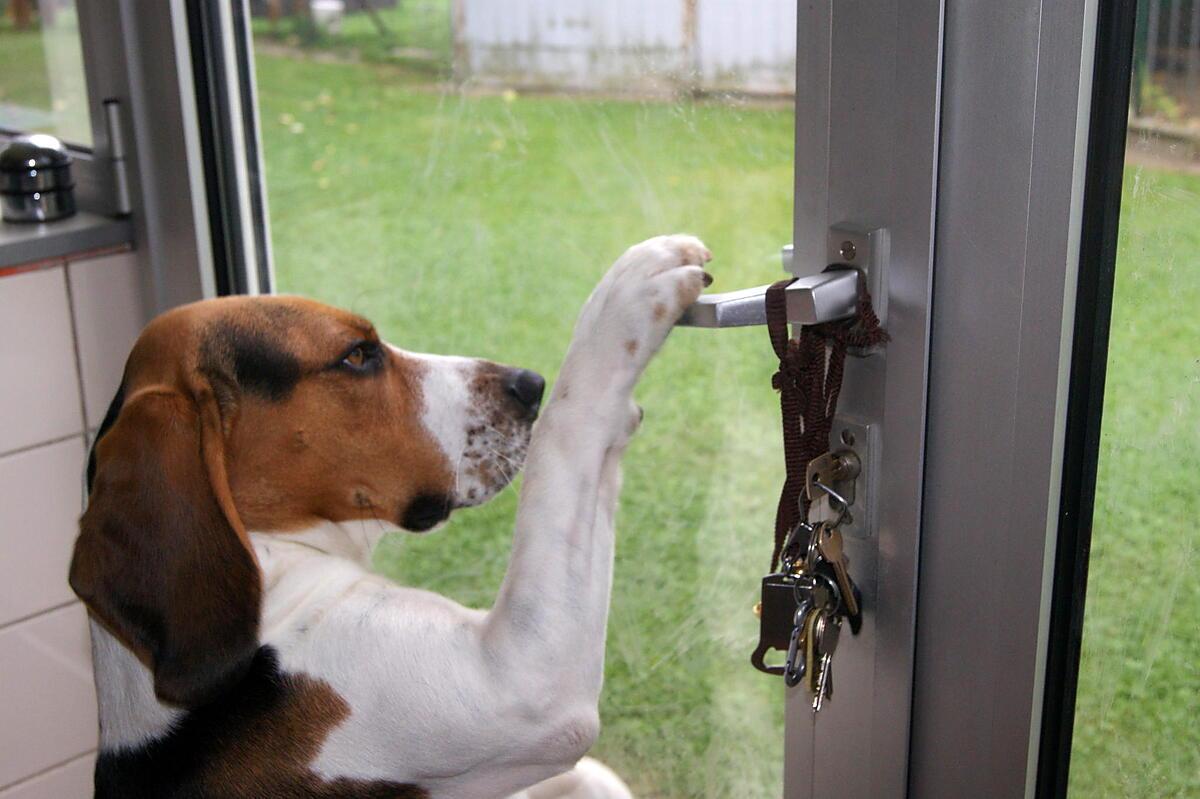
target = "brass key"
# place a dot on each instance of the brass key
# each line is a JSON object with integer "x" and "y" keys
{"x": 829, "y": 539}
{"x": 810, "y": 649}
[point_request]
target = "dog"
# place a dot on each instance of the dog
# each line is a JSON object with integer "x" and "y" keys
{"x": 255, "y": 454}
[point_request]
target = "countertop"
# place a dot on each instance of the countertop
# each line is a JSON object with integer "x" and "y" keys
{"x": 23, "y": 245}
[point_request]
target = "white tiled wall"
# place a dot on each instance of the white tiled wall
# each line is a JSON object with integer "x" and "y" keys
{"x": 64, "y": 335}
{"x": 40, "y": 390}
{"x": 39, "y": 505}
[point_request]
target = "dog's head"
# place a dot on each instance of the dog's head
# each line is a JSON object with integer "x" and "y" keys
{"x": 270, "y": 414}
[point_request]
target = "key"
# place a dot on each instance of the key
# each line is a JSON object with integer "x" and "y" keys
{"x": 824, "y": 689}
{"x": 777, "y": 610}
{"x": 810, "y": 649}
{"x": 829, "y": 539}
{"x": 826, "y": 631}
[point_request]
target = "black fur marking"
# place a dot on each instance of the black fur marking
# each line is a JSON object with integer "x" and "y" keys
{"x": 258, "y": 364}
{"x": 110, "y": 418}
{"x": 179, "y": 765}
{"x": 262, "y": 368}
{"x": 424, "y": 512}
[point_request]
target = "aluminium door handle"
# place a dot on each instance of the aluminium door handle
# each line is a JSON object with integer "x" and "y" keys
{"x": 826, "y": 297}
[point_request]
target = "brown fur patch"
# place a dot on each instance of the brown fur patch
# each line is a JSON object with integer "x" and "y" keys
{"x": 684, "y": 294}
{"x": 271, "y": 757}
{"x": 257, "y": 742}
{"x": 631, "y": 346}
{"x": 660, "y": 311}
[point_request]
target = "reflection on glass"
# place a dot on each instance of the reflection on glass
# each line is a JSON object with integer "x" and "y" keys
{"x": 1137, "y": 722}
{"x": 465, "y": 189}
{"x": 42, "y": 85}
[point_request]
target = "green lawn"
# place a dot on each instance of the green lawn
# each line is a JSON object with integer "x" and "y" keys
{"x": 1137, "y": 730}
{"x": 23, "y": 79}
{"x": 29, "y": 99}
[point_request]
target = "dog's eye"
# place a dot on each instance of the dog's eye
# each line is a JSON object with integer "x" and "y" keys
{"x": 362, "y": 356}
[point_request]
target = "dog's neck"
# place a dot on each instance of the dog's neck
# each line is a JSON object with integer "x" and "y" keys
{"x": 131, "y": 715}
{"x": 351, "y": 540}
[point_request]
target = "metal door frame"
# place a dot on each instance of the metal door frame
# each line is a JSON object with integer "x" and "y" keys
{"x": 1016, "y": 118}
{"x": 980, "y": 111}
{"x": 867, "y": 127}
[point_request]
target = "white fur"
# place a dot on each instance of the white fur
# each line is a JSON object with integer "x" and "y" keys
{"x": 129, "y": 714}
{"x": 468, "y": 703}
{"x": 455, "y": 417}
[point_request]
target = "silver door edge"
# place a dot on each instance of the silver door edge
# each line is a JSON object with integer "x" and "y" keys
{"x": 1015, "y": 114}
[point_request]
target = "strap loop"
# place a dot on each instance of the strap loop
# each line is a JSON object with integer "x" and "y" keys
{"x": 809, "y": 381}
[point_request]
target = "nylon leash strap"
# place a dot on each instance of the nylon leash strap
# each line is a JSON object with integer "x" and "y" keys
{"x": 809, "y": 381}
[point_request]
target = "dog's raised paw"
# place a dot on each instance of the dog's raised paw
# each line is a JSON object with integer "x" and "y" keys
{"x": 636, "y": 304}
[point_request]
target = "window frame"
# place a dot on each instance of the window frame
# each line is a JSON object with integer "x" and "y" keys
{"x": 1111, "y": 87}
{"x": 96, "y": 181}
{"x": 226, "y": 93}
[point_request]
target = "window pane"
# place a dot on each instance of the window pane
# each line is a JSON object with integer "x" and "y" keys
{"x": 42, "y": 85}
{"x": 1137, "y": 732}
{"x": 464, "y": 180}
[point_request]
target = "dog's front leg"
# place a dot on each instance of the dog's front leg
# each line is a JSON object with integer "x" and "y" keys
{"x": 548, "y": 624}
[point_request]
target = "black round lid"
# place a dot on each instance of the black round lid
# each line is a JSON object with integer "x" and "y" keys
{"x": 34, "y": 162}
{"x": 33, "y": 151}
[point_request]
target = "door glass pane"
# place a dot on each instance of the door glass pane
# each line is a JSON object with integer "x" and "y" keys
{"x": 42, "y": 86}
{"x": 463, "y": 179}
{"x": 1137, "y": 731}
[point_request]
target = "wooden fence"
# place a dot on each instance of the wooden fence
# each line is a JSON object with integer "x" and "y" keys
{"x": 628, "y": 45}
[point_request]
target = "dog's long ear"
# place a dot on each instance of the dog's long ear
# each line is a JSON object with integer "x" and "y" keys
{"x": 162, "y": 559}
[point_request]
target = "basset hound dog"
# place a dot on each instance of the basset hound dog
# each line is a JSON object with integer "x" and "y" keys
{"x": 255, "y": 454}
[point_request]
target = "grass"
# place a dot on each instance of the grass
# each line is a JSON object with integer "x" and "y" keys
{"x": 29, "y": 99}
{"x": 1136, "y": 730}
{"x": 23, "y": 78}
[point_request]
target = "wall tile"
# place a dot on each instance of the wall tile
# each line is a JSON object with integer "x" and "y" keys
{"x": 47, "y": 699}
{"x": 106, "y": 295}
{"x": 40, "y": 495}
{"x": 69, "y": 781}
{"x": 39, "y": 393}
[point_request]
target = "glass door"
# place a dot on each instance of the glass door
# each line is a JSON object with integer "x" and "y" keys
{"x": 462, "y": 174}
{"x": 1124, "y": 710}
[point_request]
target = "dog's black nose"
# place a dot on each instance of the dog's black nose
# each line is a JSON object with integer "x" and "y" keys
{"x": 525, "y": 387}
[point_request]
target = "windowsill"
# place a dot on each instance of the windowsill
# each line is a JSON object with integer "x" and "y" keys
{"x": 27, "y": 246}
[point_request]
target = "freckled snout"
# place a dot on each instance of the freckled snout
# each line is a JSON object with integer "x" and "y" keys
{"x": 526, "y": 388}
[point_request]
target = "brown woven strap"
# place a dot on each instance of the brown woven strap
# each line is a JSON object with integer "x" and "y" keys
{"x": 809, "y": 381}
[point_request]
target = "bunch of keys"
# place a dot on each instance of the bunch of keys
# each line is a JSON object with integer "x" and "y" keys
{"x": 804, "y": 603}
